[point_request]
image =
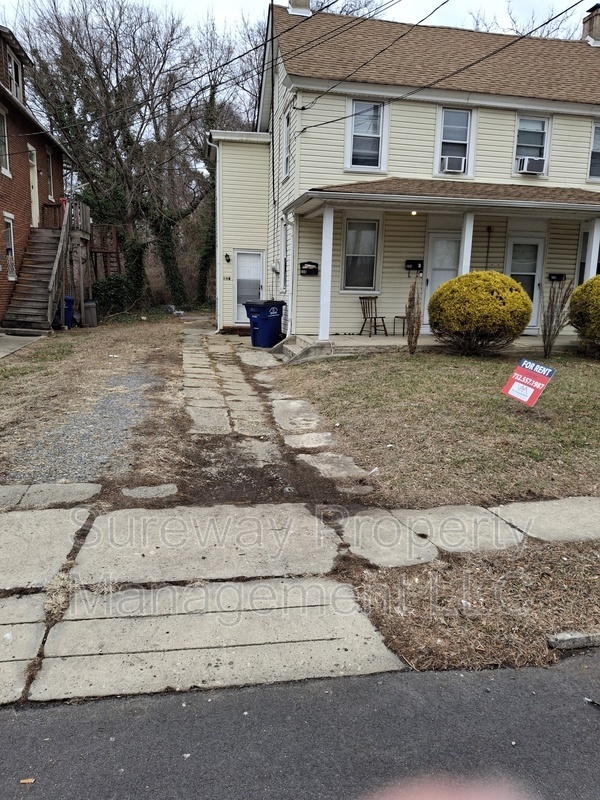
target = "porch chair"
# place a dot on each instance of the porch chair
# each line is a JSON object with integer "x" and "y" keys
{"x": 369, "y": 312}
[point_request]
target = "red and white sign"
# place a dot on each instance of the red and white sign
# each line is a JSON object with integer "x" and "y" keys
{"x": 528, "y": 381}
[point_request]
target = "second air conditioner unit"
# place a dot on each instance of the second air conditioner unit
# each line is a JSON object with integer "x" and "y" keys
{"x": 453, "y": 163}
{"x": 531, "y": 166}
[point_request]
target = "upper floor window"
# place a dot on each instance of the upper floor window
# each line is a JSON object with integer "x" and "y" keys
{"x": 365, "y": 132}
{"x": 454, "y": 144}
{"x": 15, "y": 75}
{"x": 595, "y": 154}
{"x": 531, "y": 152}
{"x": 4, "y": 164}
{"x": 9, "y": 246}
{"x": 360, "y": 255}
{"x": 286, "y": 144}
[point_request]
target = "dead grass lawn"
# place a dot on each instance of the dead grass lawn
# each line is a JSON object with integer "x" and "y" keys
{"x": 454, "y": 437}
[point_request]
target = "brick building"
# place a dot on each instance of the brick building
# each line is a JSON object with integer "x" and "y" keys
{"x": 31, "y": 175}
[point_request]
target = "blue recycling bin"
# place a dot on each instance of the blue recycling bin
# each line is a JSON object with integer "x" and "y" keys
{"x": 265, "y": 322}
{"x": 69, "y": 303}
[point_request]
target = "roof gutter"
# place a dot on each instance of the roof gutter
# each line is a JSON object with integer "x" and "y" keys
{"x": 437, "y": 200}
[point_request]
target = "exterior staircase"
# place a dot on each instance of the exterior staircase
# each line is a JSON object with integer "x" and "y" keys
{"x": 28, "y": 308}
{"x": 297, "y": 349}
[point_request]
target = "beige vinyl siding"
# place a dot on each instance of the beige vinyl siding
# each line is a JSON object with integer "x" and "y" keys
{"x": 243, "y": 175}
{"x": 494, "y": 256}
{"x": 570, "y": 152}
{"x": 495, "y": 146}
{"x": 412, "y": 139}
{"x": 404, "y": 238}
{"x": 563, "y": 248}
{"x": 322, "y": 148}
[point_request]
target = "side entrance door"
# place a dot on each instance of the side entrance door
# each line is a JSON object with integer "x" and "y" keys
{"x": 524, "y": 263}
{"x": 247, "y": 282}
{"x": 441, "y": 265}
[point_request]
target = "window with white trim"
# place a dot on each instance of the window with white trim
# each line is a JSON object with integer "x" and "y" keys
{"x": 532, "y": 140}
{"x": 4, "y": 162}
{"x": 360, "y": 254}
{"x": 366, "y": 144}
{"x": 583, "y": 248}
{"x": 455, "y": 136}
{"x": 9, "y": 246}
{"x": 50, "y": 175}
{"x": 15, "y": 75}
{"x": 286, "y": 143}
{"x": 595, "y": 154}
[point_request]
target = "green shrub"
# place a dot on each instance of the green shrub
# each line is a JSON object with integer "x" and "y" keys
{"x": 113, "y": 294}
{"x": 479, "y": 312}
{"x": 584, "y": 314}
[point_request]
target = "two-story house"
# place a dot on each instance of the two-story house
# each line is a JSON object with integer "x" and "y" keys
{"x": 380, "y": 146}
{"x": 31, "y": 185}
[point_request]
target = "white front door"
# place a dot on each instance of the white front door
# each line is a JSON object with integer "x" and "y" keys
{"x": 33, "y": 185}
{"x": 524, "y": 263}
{"x": 247, "y": 282}
{"x": 443, "y": 256}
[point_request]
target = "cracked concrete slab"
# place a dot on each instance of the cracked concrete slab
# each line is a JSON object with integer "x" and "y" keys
{"x": 260, "y": 453}
{"x": 24, "y": 608}
{"x": 22, "y": 630}
{"x": 385, "y": 541}
{"x": 295, "y": 416}
{"x": 215, "y": 635}
{"x": 209, "y": 420}
{"x": 574, "y": 519}
{"x": 333, "y": 465}
{"x": 217, "y": 542}
{"x": 309, "y": 441}
{"x": 258, "y": 358}
{"x": 35, "y": 544}
{"x": 42, "y": 495}
{"x": 460, "y": 529}
{"x": 151, "y": 492}
{"x": 11, "y": 495}
{"x": 13, "y": 677}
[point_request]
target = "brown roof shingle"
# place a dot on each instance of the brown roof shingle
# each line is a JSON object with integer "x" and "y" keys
{"x": 463, "y": 190}
{"x": 331, "y": 46}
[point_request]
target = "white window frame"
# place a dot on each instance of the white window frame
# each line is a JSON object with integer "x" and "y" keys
{"x": 5, "y": 169}
{"x": 546, "y": 156}
{"x": 590, "y": 177}
{"x": 383, "y": 138}
{"x": 16, "y": 87}
{"x": 363, "y": 217}
{"x": 471, "y": 140}
{"x": 582, "y": 255}
{"x": 10, "y": 219}
{"x": 49, "y": 166}
{"x": 287, "y": 123}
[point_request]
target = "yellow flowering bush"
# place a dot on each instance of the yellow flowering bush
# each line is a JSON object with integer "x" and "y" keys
{"x": 479, "y": 312}
{"x": 584, "y": 314}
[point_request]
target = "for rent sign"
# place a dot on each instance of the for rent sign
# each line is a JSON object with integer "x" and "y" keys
{"x": 528, "y": 381}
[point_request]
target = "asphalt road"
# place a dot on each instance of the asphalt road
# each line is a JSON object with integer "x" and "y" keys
{"x": 323, "y": 740}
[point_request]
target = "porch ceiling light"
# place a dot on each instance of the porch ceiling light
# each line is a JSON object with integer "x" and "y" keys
{"x": 413, "y": 213}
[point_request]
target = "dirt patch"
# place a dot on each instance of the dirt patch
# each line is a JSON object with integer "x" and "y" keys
{"x": 484, "y": 610}
{"x": 440, "y": 431}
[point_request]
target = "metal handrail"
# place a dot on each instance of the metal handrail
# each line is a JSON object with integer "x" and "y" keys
{"x": 59, "y": 261}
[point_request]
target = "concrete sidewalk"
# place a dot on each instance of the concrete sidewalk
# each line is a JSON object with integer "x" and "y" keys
{"x": 98, "y": 599}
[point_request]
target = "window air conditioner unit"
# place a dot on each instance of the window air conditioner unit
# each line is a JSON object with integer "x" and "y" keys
{"x": 453, "y": 163}
{"x": 531, "y": 166}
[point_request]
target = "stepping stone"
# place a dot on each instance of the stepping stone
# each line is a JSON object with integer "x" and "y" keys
{"x": 460, "y": 529}
{"x": 256, "y": 358}
{"x": 209, "y": 420}
{"x": 295, "y": 416}
{"x": 333, "y": 465}
{"x": 35, "y": 544}
{"x": 574, "y": 519}
{"x": 42, "y": 495}
{"x": 11, "y": 495}
{"x": 208, "y": 543}
{"x": 309, "y": 441}
{"x": 383, "y": 540}
{"x": 228, "y": 634}
{"x": 151, "y": 492}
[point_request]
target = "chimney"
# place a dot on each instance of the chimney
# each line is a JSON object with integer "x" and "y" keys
{"x": 301, "y": 8}
{"x": 591, "y": 25}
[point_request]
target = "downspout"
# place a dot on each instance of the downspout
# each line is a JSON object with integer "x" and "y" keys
{"x": 218, "y": 271}
{"x": 290, "y": 272}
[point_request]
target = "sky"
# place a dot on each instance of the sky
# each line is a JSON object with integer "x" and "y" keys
{"x": 454, "y": 13}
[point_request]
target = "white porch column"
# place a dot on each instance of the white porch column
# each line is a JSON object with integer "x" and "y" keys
{"x": 326, "y": 268}
{"x": 466, "y": 243}
{"x": 593, "y": 248}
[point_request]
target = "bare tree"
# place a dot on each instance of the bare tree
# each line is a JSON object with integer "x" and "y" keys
{"x": 567, "y": 26}
{"x": 350, "y": 7}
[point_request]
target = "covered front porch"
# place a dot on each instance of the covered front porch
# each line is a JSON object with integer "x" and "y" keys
{"x": 376, "y": 238}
